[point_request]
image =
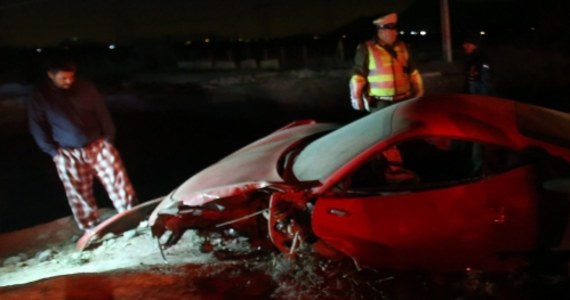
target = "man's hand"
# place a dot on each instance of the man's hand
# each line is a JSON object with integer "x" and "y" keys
{"x": 356, "y": 84}
{"x": 417, "y": 83}
{"x": 357, "y": 103}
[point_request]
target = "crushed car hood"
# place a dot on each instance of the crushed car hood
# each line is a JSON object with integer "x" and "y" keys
{"x": 252, "y": 167}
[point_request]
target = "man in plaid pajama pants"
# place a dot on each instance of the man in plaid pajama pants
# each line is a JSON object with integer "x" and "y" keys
{"x": 69, "y": 121}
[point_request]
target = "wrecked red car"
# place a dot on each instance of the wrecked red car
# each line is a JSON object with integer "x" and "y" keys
{"x": 442, "y": 182}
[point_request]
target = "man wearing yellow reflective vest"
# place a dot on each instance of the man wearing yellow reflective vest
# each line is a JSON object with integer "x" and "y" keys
{"x": 383, "y": 73}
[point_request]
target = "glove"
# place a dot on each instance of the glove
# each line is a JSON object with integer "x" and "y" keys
{"x": 417, "y": 83}
{"x": 357, "y": 103}
{"x": 356, "y": 84}
{"x": 367, "y": 102}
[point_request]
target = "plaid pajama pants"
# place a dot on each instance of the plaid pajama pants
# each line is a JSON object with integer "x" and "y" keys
{"x": 76, "y": 167}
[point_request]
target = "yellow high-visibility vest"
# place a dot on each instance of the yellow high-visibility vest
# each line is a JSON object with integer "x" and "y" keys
{"x": 387, "y": 74}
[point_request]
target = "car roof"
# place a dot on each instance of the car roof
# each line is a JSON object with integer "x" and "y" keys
{"x": 488, "y": 119}
{"x": 482, "y": 118}
{"x": 544, "y": 124}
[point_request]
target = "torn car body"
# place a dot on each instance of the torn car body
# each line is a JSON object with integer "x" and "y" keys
{"x": 476, "y": 182}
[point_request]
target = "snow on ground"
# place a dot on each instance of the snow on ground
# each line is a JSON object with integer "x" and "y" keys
{"x": 130, "y": 267}
{"x": 293, "y": 89}
{"x": 44, "y": 264}
{"x": 48, "y": 250}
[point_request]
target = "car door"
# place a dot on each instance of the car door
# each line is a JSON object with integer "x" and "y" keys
{"x": 451, "y": 216}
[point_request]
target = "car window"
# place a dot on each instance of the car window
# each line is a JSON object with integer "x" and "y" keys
{"x": 500, "y": 159}
{"x": 324, "y": 156}
{"x": 430, "y": 161}
{"x": 417, "y": 162}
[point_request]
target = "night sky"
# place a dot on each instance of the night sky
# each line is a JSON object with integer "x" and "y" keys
{"x": 41, "y": 22}
{"x": 49, "y": 22}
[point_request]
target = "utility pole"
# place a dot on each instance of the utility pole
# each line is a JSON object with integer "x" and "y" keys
{"x": 445, "y": 31}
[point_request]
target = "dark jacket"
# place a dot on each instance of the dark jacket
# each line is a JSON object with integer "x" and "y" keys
{"x": 477, "y": 74}
{"x": 70, "y": 118}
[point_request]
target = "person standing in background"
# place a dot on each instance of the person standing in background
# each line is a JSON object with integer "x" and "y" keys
{"x": 477, "y": 69}
{"x": 69, "y": 121}
{"x": 383, "y": 72}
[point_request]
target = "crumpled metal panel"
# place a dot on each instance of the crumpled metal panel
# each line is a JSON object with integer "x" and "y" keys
{"x": 206, "y": 196}
{"x": 256, "y": 162}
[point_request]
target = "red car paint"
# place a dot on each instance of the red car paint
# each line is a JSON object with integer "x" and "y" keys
{"x": 508, "y": 198}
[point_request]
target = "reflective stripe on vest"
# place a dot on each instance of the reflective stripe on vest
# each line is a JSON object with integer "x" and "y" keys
{"x": 387, "y": 76}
